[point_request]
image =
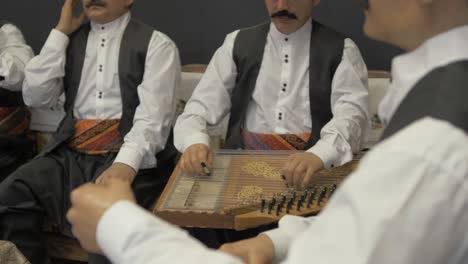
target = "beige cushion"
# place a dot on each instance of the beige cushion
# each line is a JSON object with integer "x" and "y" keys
{"x": 189, "y": 82}
{"x": 378, "y": 86}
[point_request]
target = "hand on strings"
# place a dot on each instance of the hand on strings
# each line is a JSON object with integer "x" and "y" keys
{"x": 258, "y": 250}
{"x": 193, "y": 158}
{"x": 89, "y": 203}
{"x": 300, "y": 168}
{"x": 68, "y": 23}
{"x": 118, "y": 171}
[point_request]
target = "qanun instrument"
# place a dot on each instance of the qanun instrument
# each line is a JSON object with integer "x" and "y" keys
{"x": 244, "y": 190}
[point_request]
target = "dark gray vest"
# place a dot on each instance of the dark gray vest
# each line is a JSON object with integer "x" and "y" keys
{"x": 132, "y": 57}
{"x": 441, "y": 94}
{"x": 326, "y": 52}
{"x": 9, "y": 98}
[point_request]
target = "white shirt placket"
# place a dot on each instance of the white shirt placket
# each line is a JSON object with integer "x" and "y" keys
{"x": 102, "y": 73}
{"x": 282, "y": 102}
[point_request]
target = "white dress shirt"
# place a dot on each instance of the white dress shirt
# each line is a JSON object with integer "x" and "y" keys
{"x": 403, "y": 205}
{"x": 99, "y": 95}
{"x": 282, "y": 89}
{"x": 410, "y": 68}
{"x": 14, "y": 55}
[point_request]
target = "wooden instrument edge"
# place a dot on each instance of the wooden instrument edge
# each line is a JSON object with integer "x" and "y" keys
{"x": 257, "y": 218}
{"x": 166, "y": 190}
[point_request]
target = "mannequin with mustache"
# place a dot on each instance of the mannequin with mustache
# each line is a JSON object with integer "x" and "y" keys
{"x": 289, "y": 84}
{"x": 285, "y": 84}
{"x": 118, "y": 76}
{"x": 264, "y": 77}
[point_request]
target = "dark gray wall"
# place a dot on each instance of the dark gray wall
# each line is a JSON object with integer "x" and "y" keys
{"x": 198, "y": 26}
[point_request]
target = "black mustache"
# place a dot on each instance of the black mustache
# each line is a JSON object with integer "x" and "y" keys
{"x": 284, "y": 13}
{"x": 364, "y": 4}
{"x": 95, "y": 3}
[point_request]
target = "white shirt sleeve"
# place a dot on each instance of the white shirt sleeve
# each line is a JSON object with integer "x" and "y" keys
{"x": 152, "y": 121}
{"x": 14, "y": 55}
{"x": 44, "y": 74}
{"x": 410, "y": 209}
{"x": 405, "y": 204}
{"x": 347, "y": 132}
{"x": 289, "y": 227}
{"x": 129, "y": 234}
{"x": 211, "y": 100}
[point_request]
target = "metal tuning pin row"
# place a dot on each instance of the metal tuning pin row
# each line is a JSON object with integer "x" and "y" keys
{"x": 297, "y": 200}
{"x": 278, "y": 202}
{"x": 322, "y": 196}
{"x": 333, "y": 189}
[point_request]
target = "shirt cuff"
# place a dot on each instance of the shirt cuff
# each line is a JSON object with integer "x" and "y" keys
{"x": 2, "y": 74}
{"x": 327, "y": 153}
{"x": 281, "y": 242}
{"x": 12, "y": 77}
{"x": 196, "y": 138}
{"x": 57, "y": 40}
{"x": 4, "y": 66}
{"x": 129, "y": 157}
{"x": 116, "y": 225}
{"x": 3, "y": 37}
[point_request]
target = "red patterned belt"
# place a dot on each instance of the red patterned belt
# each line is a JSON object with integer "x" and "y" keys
{"x": 95, "y": 136}
{"x": 254, "y": 141}
{"x": 14, "y": 121}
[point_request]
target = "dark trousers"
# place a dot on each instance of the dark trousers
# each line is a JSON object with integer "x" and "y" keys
{"x": 14, "y": 152}
{"x": 214, "y": 238}
{"x": 7, "y": 168}
{"x": 38, "y": 194}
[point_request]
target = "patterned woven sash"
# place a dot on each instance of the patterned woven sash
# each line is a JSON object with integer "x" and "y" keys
{"x": 95, "y": 137}
{"x": 14, "y": 121}
{"x": 254, "y": 141}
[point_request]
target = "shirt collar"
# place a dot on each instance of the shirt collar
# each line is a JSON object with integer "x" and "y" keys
{"x": 439, "y": 51}
{"x": 409, "y": 68}
{"x": 113, "y": 26}
{"x": 297, "y": 35}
